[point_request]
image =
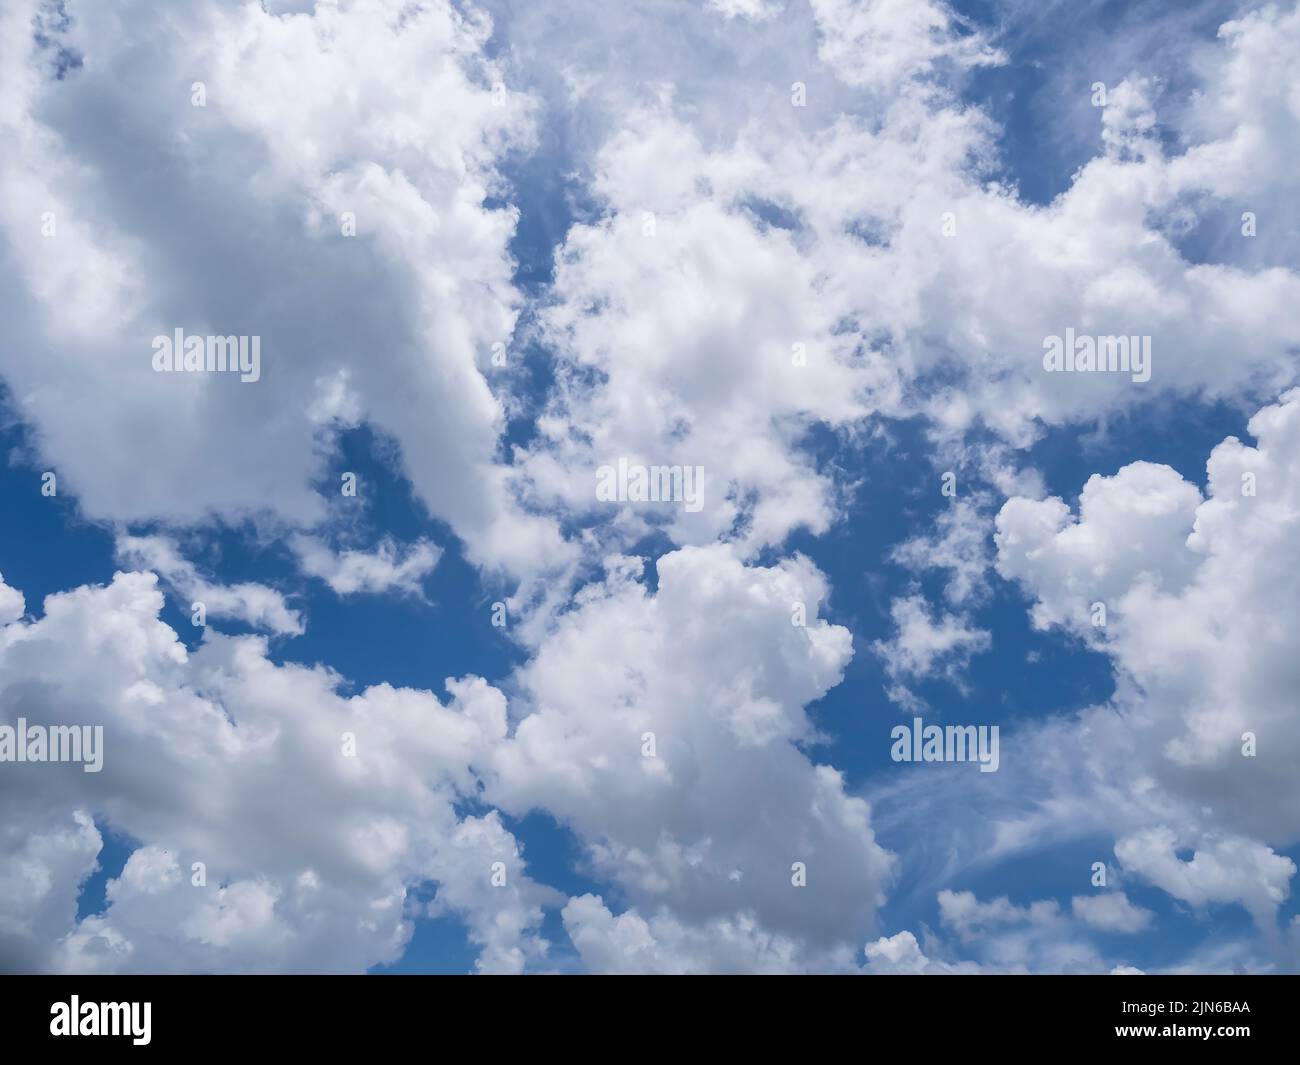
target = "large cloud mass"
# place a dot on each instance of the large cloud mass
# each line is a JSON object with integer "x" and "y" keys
{"x": 766, "y": 239}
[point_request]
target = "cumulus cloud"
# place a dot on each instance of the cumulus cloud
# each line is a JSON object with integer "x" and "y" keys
{"x": 1006, "y": 937}
{"x": 928, "y": 642}
{"x": 1188, "y": 767}
{"x": 209, "y": 759}
{"x": 222, "y": 757}
{"x": 819, "y": 270}
{"x": 689, "y": 352}
{"x": 1110, "y": 912}
{"x": 12, "y": 603}
{"x": 1198, "y": 590}
{"x": 1222, "y": 870}
{"x": 960, "y": 545}
{"x": 387, "y": 567}
{"x": 713, "y": 344}
{"x": 46, "y": 855}
{"x": 901, "y": 955}
{"x": 372, "y": 117}
{"x": 629, "y": 943}
{"x": 256, "y": 604}
{"x": 1131, "y": 528}
{"x": 882, "y": 43}
{"x": 746, "y": 281}
{"x": 998, "y": 936}
{"x": 1197, "y": 750}
{"x": 710, "y": 676}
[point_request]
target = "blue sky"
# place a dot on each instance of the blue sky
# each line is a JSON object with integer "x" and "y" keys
{"x": 629, "y": 203}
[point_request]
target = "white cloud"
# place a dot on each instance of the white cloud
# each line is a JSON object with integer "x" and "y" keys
{"x": 1007, "y": 938}
{"x": 1200, "y": 592}
{"x": 629, "y": 943}
{"x": 1197, "y": 750}
{"x": 1220, "y": 870}
{"x": 1110, "y": 912}
{"x": 926, "y": 644}
{"x": 713, "y": 344}
{"x": 879, "y": 44}
{"x": 12, "y": 603}
{"x": 970, "y": 918}
{"x": 222, "y": 757}
{"x": 256, "y": 604}
{"x": 1243, "y": 132}
{"x": 1132, "y": 528}
{"x": 372, "y": 108}
{"x": 999, "y": 937}
{"x": 901, "y": 955}
{"x": 677, "y": 346}
{"x": 959, "y": 545}
{"x": 387, "y": 567}
{"x": 709, "y": 828}
{"x": 673, "y": 339}
{"x": 43, "y": 857}
{"x": 676, "y": 309}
